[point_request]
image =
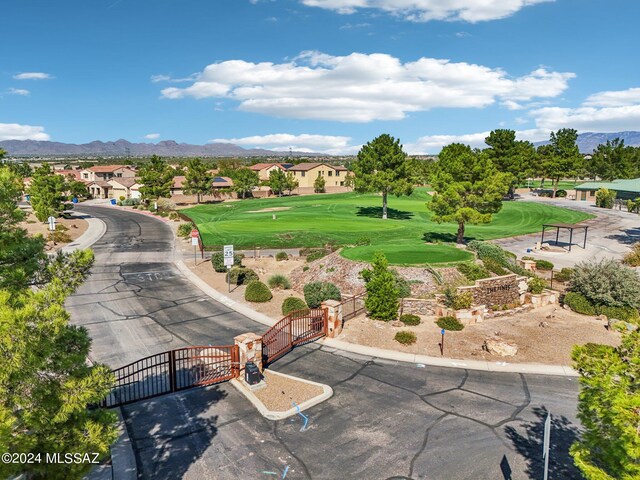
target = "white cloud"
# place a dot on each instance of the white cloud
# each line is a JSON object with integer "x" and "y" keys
{"x": 621, "y": 98}
{"x": 333, "y": 145}
{"x": 426, "y": 10}
{"x": 589, "y": 119}
{"x": 15, "y": 131}
{"x": 152, "y": 136}
{"x": 33, "y": 76}
{"x": 434, "y": 143}
{"x": 18, "y": 91}
{"x": 364, "y": 87}
{"x": 168, "y": 78}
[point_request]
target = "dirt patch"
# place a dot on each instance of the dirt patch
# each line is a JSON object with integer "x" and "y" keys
{"x": 346, "y": 275}
{"x": 549, "y": 344}
{"x": 281, "y": 391}
{"x": 76, "y": 227}
{"x": 272, "y": 209}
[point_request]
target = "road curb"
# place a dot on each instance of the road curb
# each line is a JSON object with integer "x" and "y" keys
{"x": 275, "y": 415}
{"x": 123, "y": 460}
{"x": 96, "y": 229}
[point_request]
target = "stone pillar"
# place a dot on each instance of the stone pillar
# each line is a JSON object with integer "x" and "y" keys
{"x": 249, "y": 350}
{"x": 334, "y": 317}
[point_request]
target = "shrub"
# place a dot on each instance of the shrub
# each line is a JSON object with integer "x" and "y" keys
{"x": 279, "y": 281}
{"x": 122, "y": 198}
{"x": 472, "y": 271}
{"x": 402, "y": 284}
{"x": 241, "y": 275}
{"x": 505, "y": 259}
{"x": 184, "y": 229}
{"x": 409, "y": 319}
{"x": 536, "y": 285}
{"x": 315, "y": 255}
{"x": 633, "y": 257}
{"x": 217, "y": 262}
{"x": 305, "y": 268}
{"x": 449, "y": 323}
{"x": 626, "y": 314}
{"x": 317, "y": 292}
{"x": 131, "y": 202}
{"x": 174, "y": 216}
{"x": 561, "y": 193}
{"x": 382, "y": 295}
{"x": 578, "y": 303}
{"x": 405, "y": 337}
{"x": 457, "y": 301}
{"x": 544, "y": 265}
{"x": 281, "y": 256}
{"x": 605, "y": 198}
{"x": 563, "y": 275}
{"x": 257, "y": 292}
{"x": 362, "y": 241}
{"x": 607, "y": 282}
{"x": 291, "y": 304}
{"x": 494, "y": 267}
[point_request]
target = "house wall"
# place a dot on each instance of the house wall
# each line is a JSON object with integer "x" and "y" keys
{"x": 332, "y": 177}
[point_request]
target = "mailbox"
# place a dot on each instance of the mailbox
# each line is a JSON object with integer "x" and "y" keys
{"x": 252, "y": 374}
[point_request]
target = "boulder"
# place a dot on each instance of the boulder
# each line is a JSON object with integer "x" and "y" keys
{"x": 498, "y": 346}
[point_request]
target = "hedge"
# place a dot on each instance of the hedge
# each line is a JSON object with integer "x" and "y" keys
{"x": 257, "y": 292}
{"x": 317, "y": 292}
{"x": 291, "y": 304}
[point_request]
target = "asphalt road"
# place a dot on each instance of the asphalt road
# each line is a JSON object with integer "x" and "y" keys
{"x": 386, "y": 420}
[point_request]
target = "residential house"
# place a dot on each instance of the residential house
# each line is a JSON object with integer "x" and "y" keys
{"x": 105, "y": 173}
{"x": 306, "y": 174}
{"x": 127, "y": 187}
{"x": 264, "y": 169}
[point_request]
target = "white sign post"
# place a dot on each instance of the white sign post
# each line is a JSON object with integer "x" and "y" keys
{"x": 52, "y": 223}
{"x": 545, "y": 445}
{"x": 228, "y": 262}
{"x": 195, "y": 240}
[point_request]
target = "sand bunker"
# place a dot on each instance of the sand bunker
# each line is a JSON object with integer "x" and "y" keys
{"x": 272, "y": 209}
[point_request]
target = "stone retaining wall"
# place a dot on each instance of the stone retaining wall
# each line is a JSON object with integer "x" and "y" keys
{"x": 418, "y": 306}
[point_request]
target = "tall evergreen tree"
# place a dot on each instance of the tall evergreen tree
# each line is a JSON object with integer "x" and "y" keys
{"x": 244, "y": 181}
{"x": 469, "y": 189}
{"x": 47, "y": 193}
{"x": 197, "y": 179}
{"x": 319, "y": 184}
{"x": 382, "y": 166}
{"x": 277, "y": 181}
{"x": 290, "y": 182}
{"x": 508, "y": 155}
{"x": 561, "y": 158}
{"x": 156, "y": 177}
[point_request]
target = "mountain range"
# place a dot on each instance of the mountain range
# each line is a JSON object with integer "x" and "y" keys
{"x": 124, "y": 148}
{"x": 587, "y": 142}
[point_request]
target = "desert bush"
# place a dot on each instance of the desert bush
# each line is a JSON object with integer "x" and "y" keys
{"x": 305, "y": 268}
{"x": 317, "y": 292}
{"x": 472, "y": 271}
{"x": 131, "y": 202}
{"x": 578, "y": 303}
{"x": 291, "y": 304}
{"x": 59, "y": 235}
{"x": 605, "y": 198}
{"x": 536, "y": 285}
{"x": 563, "y": 275}
{"x": 122, "y": 198}
{"x": 405, "y": 337}
{"x": 281, "y": 256}
{"x": 174, "y": 216}
{"x": 449, "y": 323}
{"x": 626, "y": 314}
{"x": 494, "y": 267}
{"x": 505, "y": 259}
{"x": 166, "y": 204}
{"x": 184, "y": 229}
{"x": 362, "y": 241}
{"x": 633, "y": 257}
{"x": 409, "y": 319}
{"x": 241, "y": 275}
{"x": 315, "y": 255}
{"x": 544, "y": 265}
{"x": 457, "y": 301}
{"x": 217, "y": 261}
{"x": 257, "y": 292}
{"x": 607, "y": 282}
{"x": 402, "y": 284}
{"x": 278, "y": 280}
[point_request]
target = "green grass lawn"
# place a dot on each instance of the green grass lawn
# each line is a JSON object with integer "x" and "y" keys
{"x": 343, "y": 219}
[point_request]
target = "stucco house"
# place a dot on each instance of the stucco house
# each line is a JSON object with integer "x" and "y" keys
{"x": 124, "y": 187}
{"x": 306, "y": 174}
{"x": 105, "y": 173}
{"x": 264, "y": 169}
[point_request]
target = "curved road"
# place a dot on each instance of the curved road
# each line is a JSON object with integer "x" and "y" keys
{"x": 386, "y": 419}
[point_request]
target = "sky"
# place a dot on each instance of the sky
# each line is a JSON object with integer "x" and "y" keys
{"x": 316, "y": 75}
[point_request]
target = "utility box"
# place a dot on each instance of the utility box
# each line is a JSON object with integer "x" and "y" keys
{"x": 252, "y": 375}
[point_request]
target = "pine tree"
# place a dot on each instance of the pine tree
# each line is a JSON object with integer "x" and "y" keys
{"x": 47, "y": 192}
{"x": 157, "y": 178}
{"x": 277, "y": 181}
{"x": 382, "y": 294}
{"x": 319, "y": 184}
{"x": 609, "y": 410}
{"x": 197, "y": 179}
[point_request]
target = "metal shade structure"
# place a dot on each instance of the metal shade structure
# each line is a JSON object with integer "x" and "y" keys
{"x": 566, "y": 226}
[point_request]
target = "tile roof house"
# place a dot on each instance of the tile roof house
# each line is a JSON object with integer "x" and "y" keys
{"x": 306, "y": 174}
{"x": 106, "y": 172}
{"x": 264, "y": 169}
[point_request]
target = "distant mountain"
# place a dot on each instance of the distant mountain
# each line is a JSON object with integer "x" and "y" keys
{"x": 588, "y": 141}
{"x": 122, "y": 148}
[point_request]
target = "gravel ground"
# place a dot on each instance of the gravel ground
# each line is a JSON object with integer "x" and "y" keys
{"x": 76, "y": 226}
{"x": 549, "y": 344}
{"x": 281, "y": 391}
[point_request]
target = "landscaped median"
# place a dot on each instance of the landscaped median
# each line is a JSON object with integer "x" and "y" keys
{"x": 284, "y": 395}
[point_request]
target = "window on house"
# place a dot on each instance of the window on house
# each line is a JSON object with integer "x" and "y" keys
{"x": 118, "y": 175}
{"x": 330, "y": 173}
{"x": 85, "y": 175}
{"x": 302, "y": 174}
{"x": 337, "y": 173}
{"x": 592, "y": 193}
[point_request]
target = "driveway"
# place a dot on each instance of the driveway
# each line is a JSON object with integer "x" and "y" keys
{"x": 386, "y": 419}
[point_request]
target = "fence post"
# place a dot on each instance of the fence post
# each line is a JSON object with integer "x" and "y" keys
{"x": 235, "y": 361}
{"x": 172, "y": 370}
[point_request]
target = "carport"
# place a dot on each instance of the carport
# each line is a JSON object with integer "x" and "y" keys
{"x": 567, "y": 226}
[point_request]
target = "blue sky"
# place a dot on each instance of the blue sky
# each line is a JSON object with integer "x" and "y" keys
{"x": 317, "y": 75}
